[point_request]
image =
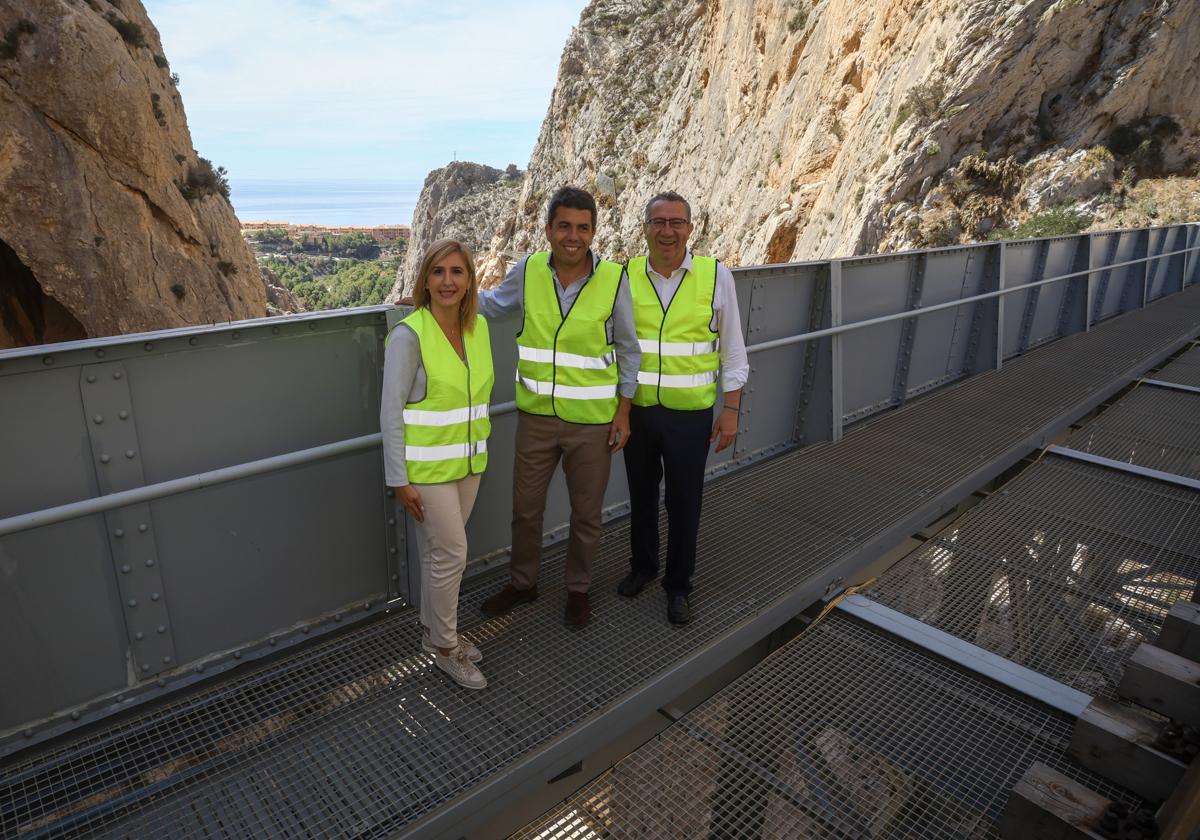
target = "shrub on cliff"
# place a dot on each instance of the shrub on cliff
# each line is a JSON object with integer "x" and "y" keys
{"x": 205, "y": 179}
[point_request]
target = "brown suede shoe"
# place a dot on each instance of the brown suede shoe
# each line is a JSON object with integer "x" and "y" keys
{"x": 507, "y": 598}
{"x": 579, "y": 609}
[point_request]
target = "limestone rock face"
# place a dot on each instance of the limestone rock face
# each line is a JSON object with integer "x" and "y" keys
{"x": 805, "y": 130}
{"x": 96, "y": 237}
{"x": 466, "y": 201}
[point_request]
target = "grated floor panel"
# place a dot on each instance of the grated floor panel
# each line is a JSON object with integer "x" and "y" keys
{"x": 1184, "y": 370}
{"x": 269, "y": 752}
{"x": 1150, "y": 427}
{"x": 844, "y": 732}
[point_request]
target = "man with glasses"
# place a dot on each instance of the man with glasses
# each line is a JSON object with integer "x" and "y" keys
{"x": 690, "y": 333}
{"x": 577, "y": 366}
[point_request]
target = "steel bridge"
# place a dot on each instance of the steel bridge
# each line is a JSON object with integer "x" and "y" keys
{"x": 207, "y": 625}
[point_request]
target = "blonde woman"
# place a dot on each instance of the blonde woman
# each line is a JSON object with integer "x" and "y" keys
{"x": 437, "y": 383}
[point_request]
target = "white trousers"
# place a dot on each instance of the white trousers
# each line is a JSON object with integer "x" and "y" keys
{"x": 442, "y": 538}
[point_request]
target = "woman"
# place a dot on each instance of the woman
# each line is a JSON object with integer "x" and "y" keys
{"x": 437, "y": 383}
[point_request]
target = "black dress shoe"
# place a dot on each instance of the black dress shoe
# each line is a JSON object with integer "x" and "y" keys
{"x": 633, "y": 582}
{"x": 679, "y": 611}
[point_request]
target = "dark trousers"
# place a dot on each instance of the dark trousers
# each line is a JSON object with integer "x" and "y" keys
{"x": 674, "y": 443}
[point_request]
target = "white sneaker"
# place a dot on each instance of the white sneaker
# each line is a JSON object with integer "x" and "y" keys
{"x": 473, "y": 653}
{"x": 460, "y": 669}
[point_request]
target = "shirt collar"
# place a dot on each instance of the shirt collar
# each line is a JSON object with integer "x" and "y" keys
{"x": 684, "y": 266}
{"x": 591, "y": 253}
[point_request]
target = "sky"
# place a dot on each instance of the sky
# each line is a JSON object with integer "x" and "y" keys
{"x": 371, "y": 89}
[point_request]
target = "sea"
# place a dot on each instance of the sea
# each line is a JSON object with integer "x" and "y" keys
{"x": 363, "y": 203}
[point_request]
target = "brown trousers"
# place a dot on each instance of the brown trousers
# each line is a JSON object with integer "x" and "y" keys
{"x": 586, "y": 460}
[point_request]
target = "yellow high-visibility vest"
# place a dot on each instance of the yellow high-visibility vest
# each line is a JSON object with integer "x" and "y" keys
{"x": 680, "y": 351}
{"x": 446, "y": 433}
{"x": 566, "y": 365}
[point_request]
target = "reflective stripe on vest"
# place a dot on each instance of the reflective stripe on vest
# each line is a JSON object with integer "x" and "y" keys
{"x": 680, "y": 351}
{"x": 566, "y": 366}
{"x": 445, "y": 436}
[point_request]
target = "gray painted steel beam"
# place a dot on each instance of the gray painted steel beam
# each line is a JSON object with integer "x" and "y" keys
{"x": 1175, "y": 386}
{"x": 1123, "y": 466}
{"x": 974, "y": 658}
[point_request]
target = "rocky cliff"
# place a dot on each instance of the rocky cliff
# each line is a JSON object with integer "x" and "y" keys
{"x": 803, "y": 130}
{"x": 470, "y": 202}
{"x": 109, "y": 220}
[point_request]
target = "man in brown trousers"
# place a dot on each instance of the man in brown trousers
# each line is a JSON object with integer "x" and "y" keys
{"x": 577, "y": 366}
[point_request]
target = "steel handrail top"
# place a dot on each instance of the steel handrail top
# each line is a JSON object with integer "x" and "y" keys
{"x": 183, "y": 484}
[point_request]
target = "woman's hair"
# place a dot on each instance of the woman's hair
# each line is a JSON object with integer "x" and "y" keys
{"x": 434, "y": 254}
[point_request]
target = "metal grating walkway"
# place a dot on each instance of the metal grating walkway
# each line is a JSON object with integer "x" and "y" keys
{"x": 844, "y": 732}
{"x": 1150, "y": 427}
{"x": 1184, "y": 370}
{"x": 359, "y": 736}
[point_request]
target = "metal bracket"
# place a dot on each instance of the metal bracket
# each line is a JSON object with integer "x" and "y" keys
{"x": 908, "y": 329}
{"x": 1032, "y": 297}
{"x": 1080, "y": 261}
{"x": 812, "y": 353}
{"x": 1110, "y": 256}
{"x": 112, "y": 433}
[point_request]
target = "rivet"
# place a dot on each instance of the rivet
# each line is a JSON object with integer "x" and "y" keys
{"x": 104, "y": 459}
{"x": 192, "y": 341}
{"x": 395, "y": 577}
{"x": 161, "y": 683}
{"x": 75, "y": 715}
{"x": 126, "y": 569}
{"x": 162, "y": 628}
{"x": 390, "y": 492}
{"x": 119, "y": 698}
{"x": 98, "y": 419}
{"x": 47, "y": 360}
{"x": 272, "y": 642}
{"x": 120, "y": 532}
{"x": 117, "y": 374}
{"x": 149, "y": 563}
{"x": 304, "y": 630}
{"x": 312, "y": 326}
{"x": 391, "y": 522}
{"x": 123, "y": 414}
{"x": 132, "y": 602}
{"x": 145, "y": 667}
{"x": 392, "y": 550}
{"x": 99, "y": 354}
{"x": 367, "y": 606}
{"x": 154, "y": 596}
{"x": 337, "y": 616}
{"x": 166, "y": 660}
{"x": 28, "y": 733}
{"x": 148, "y": 346}
{"x": 143, "y": 528}
{"x": 237, "y": 654}
{"x": 139, "y": 635}
{"x": 275, "y": 330}
{"x": 129, "y": 453}
{"x": 199, "y": 669}
{"x": 236, "y": 335}
{"x": 91, "y": 377}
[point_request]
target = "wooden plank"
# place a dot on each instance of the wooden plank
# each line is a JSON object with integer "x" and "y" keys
{"x": 1163, "y": 681}
{"x": 1046, "y": 805}
{"x": 1179, "y": 817}
{"x": 1181, "y": 631}
{"x": 1117, "y": 743}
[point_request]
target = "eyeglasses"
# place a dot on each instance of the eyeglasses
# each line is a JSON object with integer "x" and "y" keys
{"x": 673, "y": 224}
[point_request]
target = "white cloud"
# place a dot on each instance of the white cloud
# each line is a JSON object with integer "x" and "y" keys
{"x": 372, "y": 78}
